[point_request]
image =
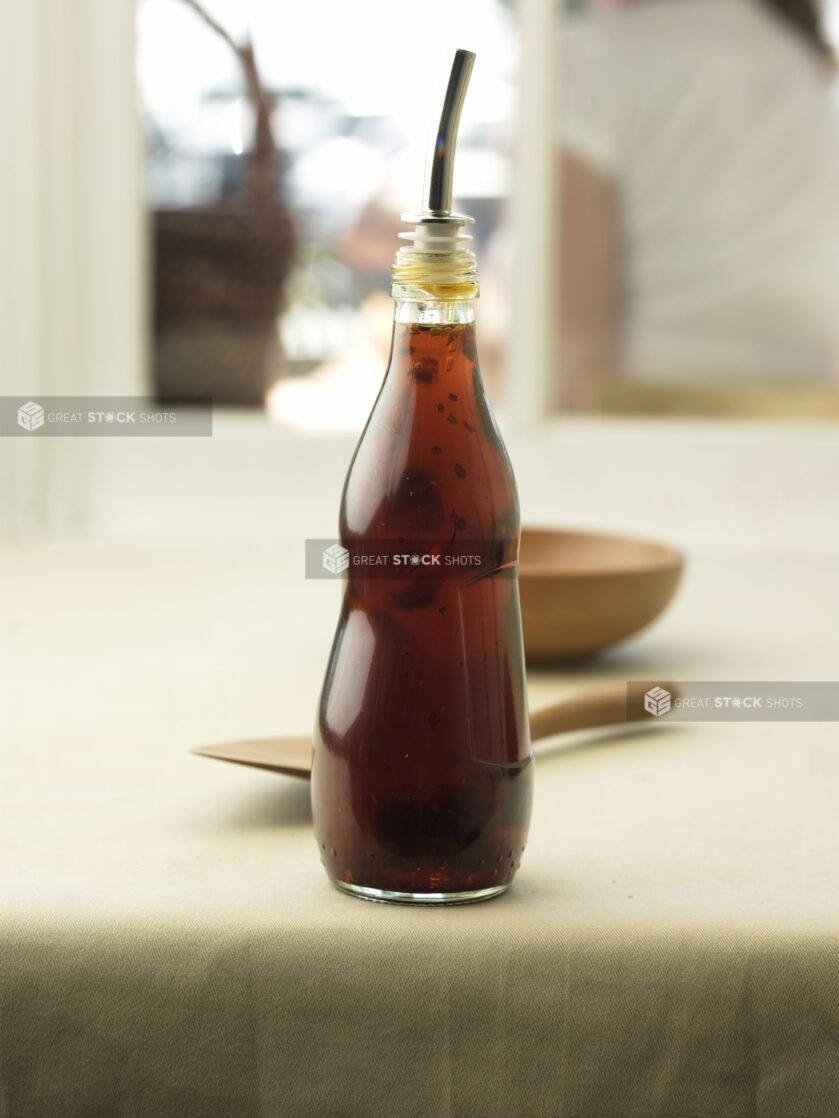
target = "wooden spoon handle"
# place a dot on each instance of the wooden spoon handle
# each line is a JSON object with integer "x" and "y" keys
{"x": 601, "y": 707}
{"x": 604, "y": 706}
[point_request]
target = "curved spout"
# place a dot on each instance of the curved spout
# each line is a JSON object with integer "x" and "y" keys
{"x": 442, "y": 159}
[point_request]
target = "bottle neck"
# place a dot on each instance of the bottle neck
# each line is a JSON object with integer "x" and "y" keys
{"x": 433, "y": 312}
{"x": 431, "y": 279}
{"x": 434, "y": 357}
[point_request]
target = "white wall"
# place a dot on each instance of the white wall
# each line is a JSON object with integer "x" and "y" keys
{"x": 72, "y": 284}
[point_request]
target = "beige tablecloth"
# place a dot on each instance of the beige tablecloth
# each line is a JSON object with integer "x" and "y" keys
{"x": 170, "y": 946}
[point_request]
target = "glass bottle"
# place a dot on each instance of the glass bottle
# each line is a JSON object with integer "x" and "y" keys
{"x": 422, "y": 766}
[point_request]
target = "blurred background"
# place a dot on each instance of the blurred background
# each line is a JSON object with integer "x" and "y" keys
{"x": 338, "y": 126}
{"x": 695, "y": 182}
{"x": 204, "y": 199}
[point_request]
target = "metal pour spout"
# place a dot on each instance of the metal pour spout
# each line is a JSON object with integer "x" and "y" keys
{"x": 436, "y": 228}
{"x": 442, "y": 159}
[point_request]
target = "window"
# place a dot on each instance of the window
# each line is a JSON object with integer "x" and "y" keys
{"x": 279, "y": 296}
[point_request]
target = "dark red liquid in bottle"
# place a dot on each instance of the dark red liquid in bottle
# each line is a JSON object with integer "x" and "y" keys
{"x": 422, "y": 772}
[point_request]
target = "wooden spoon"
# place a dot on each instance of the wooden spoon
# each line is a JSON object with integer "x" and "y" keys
{"x": 293, "y": 756}
{"x": 582, "y": 591}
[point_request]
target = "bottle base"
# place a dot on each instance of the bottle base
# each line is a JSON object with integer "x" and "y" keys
{"x": 388, "y": 896}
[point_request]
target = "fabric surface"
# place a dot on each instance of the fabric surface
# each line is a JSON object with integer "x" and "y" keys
{"x": 169, "y": 944}
{"x": 720, "y": 130}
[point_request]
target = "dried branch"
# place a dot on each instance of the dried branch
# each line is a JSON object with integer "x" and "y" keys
{"x": 264, "y": 148}
{"x": 208, "y": 19}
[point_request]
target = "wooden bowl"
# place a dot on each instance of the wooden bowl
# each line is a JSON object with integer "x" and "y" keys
{"x": 582, "y": 591}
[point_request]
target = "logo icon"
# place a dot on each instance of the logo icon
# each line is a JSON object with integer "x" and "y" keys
{"x": 657, "y": 701}
{"x": 336, "y": 559}
{"x": 30, "y": 416}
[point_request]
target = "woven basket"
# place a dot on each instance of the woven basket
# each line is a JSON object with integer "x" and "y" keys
{"x": 219, "y": 275}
